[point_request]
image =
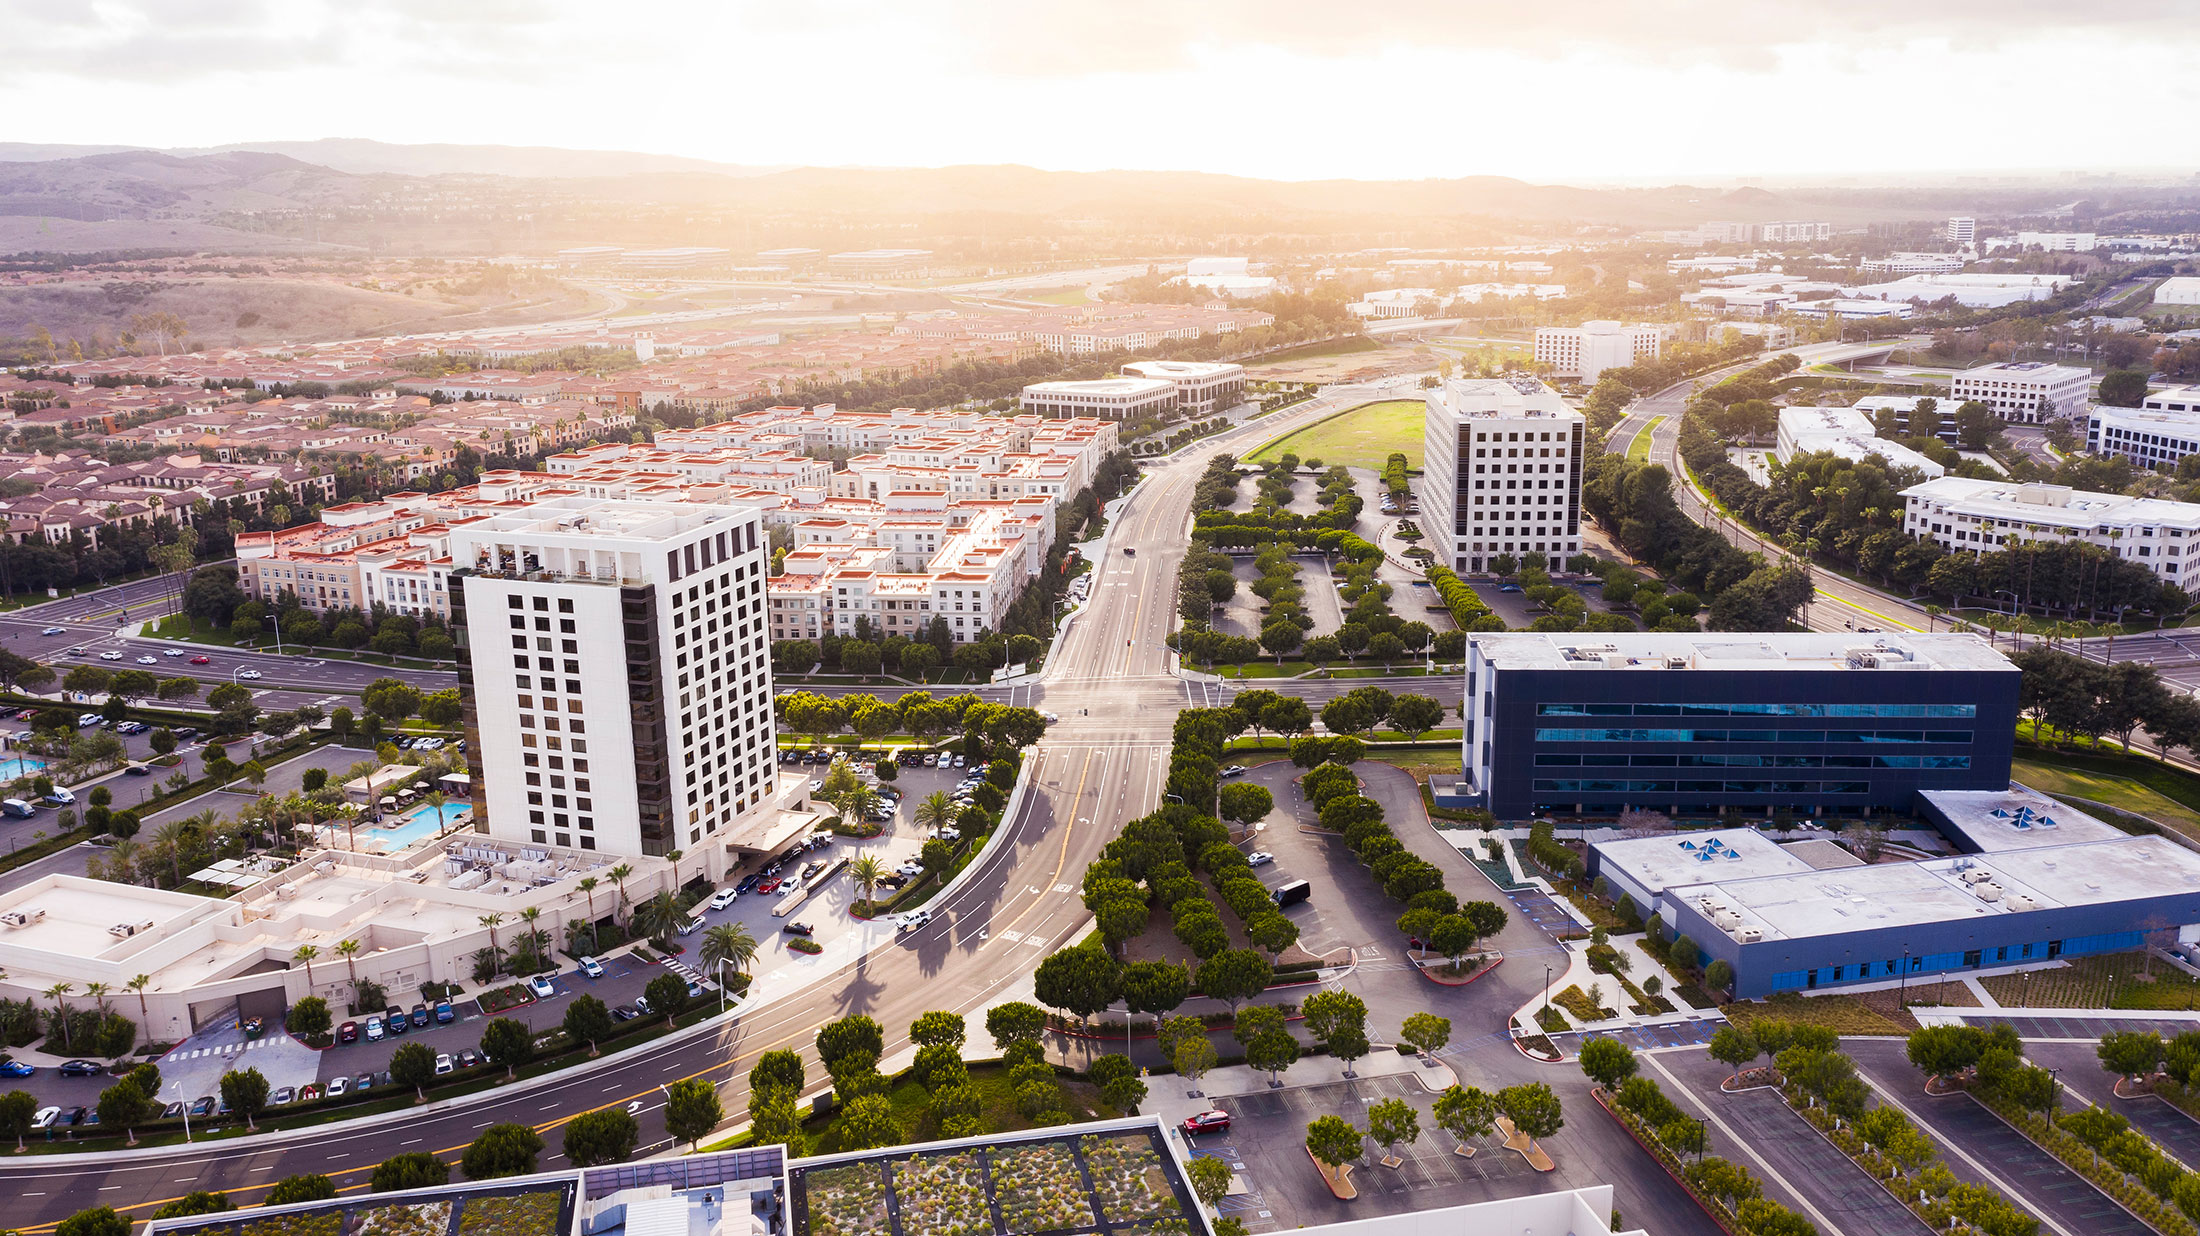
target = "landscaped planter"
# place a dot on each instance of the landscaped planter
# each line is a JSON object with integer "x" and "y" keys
{"x": 424, "y": 1219}
{"x": 1339, "y": 1178}
{"x": 517, "y": 1214}
{"x": 1128, "y": 1177}
{"x": 846, "y": 1201}
{"x": 941, "y": 1195}
{"x": 1040, "y": 1189}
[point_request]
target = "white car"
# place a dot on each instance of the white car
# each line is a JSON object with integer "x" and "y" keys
{"x": 172, "y": 652}
{"x": 148, "y": 659}
{"x": 110, "y": 655}
{"x": 914, "y": 919}
{"x": 442, "y": 1063}
{"x": 249, "y": 674}
{"x": 338, "y": 1087}
{"x": 591, "y": 967}
{"x": 723, "y": 898}
{"x": 45, "y": 1117}
{"x": 1259, "y": 858}
{"x": 541, "y": 987}
{"x": 912, "y": 868}
{"x": 947, "y": 833}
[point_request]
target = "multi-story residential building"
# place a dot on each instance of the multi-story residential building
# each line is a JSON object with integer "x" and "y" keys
{"x": 1986, "y": 516}
{"x": 2156, "y": 435}
{"x": 1203, "y": 388}
{"x": 1118, "y": 399}
{"x": 1501, "y": 472}
{"x": 2025, "y": 392}
{"x": 1793, "y": 231}
{"x": 1695, "y": 725}
{"x": 616, "y": 672}
{"x": 1962, "y": 231}
{"x": 1845, "y": 432}
{"x": 2034, "y": 881}
{"x": 1587, "y": 350}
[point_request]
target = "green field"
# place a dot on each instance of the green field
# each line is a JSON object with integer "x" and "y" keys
{"x": 1639, "y": 449}
{"x": 2140, "y": 787}
{"x": 1364, "y": 437}
{"x": 1060, "y": 296}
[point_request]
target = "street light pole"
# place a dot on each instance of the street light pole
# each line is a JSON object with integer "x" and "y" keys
{"x": 1546, "y": 988}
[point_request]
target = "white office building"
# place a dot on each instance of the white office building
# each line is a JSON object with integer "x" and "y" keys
{"x": 1962, "y": 231}
{"x": 1118, "y": 399}
{"x": 1847, "y": 433}
{"x": 1587, "y": 350}
{"x": 1202, "y": 387}
{"x": 616, "y": 672}
{"x": 2182, "y": 290}
{"x": 1501, "y": 473}
{"x": 2023, "y": 392}
{"x": 1984, "y": 516}
{"x": 1902, "y": 405}
{"x": 2155, "y": 436}
{"x": 2053, "y": 242}
{"x": 1913, "y": 264}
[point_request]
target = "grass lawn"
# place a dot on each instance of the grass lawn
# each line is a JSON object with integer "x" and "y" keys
{"x": 1328, "y": 347}
{"x": 1060, "y": 296}
{"x": 1840, "y": 1014}
{"x": 2103, "y": 980}
{"x": 1639, "y": 449}
{"x": 1363, "y": 437}
{"x": 2141, "y": 786}
{"x": 914, "y": 1112}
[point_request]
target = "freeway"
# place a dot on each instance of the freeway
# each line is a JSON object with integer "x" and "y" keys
{"x": 1104, "y": 763}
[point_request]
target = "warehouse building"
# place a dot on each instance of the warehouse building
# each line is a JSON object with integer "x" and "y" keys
{"x": 2037, "y": 881}
{"x": 1698, "y": 725}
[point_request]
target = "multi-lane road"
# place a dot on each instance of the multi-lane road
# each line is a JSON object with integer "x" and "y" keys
{"x": 1103, "y": 763}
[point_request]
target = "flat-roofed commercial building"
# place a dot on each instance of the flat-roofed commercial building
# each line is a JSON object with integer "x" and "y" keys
{"x": 1986, "y": 516}
{"x": 1202, "y": 387}
{"x": 1118, "y": 399}
{"x": 615, "y": 672}
{"x": 2038, "y": 882}
{"x": 2025, "y": 392}
{"x": 1698, "y": 725}
{"x": 1587, "y": 350}
{"x": 2157, "y": 435}
{"x": 1501, "y": 472}
{"x": 1847, "y": 433}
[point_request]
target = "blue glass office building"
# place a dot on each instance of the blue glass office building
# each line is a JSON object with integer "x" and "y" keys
{"x": 1700, "y": 724}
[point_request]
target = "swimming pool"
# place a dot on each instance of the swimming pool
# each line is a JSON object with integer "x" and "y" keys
{"x": 21, "y": 766}
{"x": 419, "y": 824}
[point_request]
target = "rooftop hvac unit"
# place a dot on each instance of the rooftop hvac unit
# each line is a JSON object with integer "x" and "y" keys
{"x": 126, "y": 930}
{"x": 1676, "y": 662}
{"x": 23, "y": 917}
{"x": 1727, "y": 921}
{"x": 1978, "y": 877}
{"x": 1863, "y": 660}
{"x": 1989, "y": 892}
{"x": 2022, "y": 902}
{"x": 284, "y": 892}
{"x": 1750, "y": 935}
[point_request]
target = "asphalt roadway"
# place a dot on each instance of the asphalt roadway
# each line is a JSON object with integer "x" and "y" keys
{"x": 1089, "y": 775}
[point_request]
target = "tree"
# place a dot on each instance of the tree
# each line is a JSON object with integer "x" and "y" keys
{"x": 1937, "y": 1051}
{"x": 1079, "y": 981}
{"x": 125, "y": 1105}
{"x": 1328, "y": 1012}
{"x": 309, "y": 1019}
{"x": 197, "y": 1202}
{"x": 1415, "y": 715}
{"x": 1391, "y": 1121}
{"x": 17, "y": 1109}
{"x": 867, "y": 1123}
{"x": 1269, "y": 1046}
{"x": 1607, "y": 1061}
{"x": 1732, "y": 1046}
{"x": 851, "y": 1036}
{"x": 1210, "y": 1179}
{"x": 692, "y": 1109}
{"x": 1235, "y": 975}
{"x": 1717, "y": 1178}
{"x": 588, "y": 1020}
{"x": 1015, "y": 1022}
{"x": 727, "y": 943}
{"x": 245, "y": 1090}
{"x": 667, "y": 994}
{"x": 938, "y": 1028}
{"x": 413, "y": 1065}
{"x": 1245, "y": 803}
{"x": 97, "y": 1221}
{"x": 2132, "y": 1053}
{"x": 1533, "y": 1109}
{"x": 599, "y": 1137}
{"x": 507, "y": 1041}
{"x": 2122, "y": 388}
{"x": 1333, "y": 1140}
{"x": 1426, "y": 1033}
{"x": 415, "y": 1169}
{"x": 502, "y": 1150}
{"x": 1718, "y": 976}
{"x": 1154, "y": 987}
{"x": 306, "y": 1188}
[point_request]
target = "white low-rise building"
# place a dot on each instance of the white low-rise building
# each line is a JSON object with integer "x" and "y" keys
{"x": 1902, "y": 406}
{"x": 1970, "y": 291}
{"x": 2023, "y": 392}
{"x": 1587, "y": 350}
{"x": 2155, "y": 436}
{"x": 1118, "y": 399}
{"x": 1847, "y": 433}
{"x": 1912, "y": 264}
{"x": 1395, "y": 303}
{"x": 2182, "y": 290}
{"x": 1202, "y": 387}
{"x": 1849, "y": 310}
{"x": 1986, "y": 516}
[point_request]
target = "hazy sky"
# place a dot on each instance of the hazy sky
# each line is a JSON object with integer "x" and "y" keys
{"x": 1566, "y": 90}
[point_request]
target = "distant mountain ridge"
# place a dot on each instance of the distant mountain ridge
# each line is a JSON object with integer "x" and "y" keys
{"x": 364, "y": 156}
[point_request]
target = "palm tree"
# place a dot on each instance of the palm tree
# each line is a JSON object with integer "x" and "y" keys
{"x": 98, "y": 993}
{"x": 138, "y": 985}
{"x": 935, "y": 811}
{"x": 59, "y": 994}
{"x": 304, "y": 956}
{"x": 436, "y": 799}
{"x": 618, "y": 877}
{"x": 676, "y": 856}
{"x": 169, "y": 839}
{"x": 727, "y": 942}
{"x": 122, "y": 860}
{"x": 492, "y": 921}
{"x": 657, "y": 917}
{"x": 868, "y": 872}
{"x": 349, "y": 951}
{"x": 587, "y": 886}
{"x": 538, "y": 940}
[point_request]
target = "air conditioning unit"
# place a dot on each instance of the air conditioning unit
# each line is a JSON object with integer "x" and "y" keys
{"x": 1750, "y": 935}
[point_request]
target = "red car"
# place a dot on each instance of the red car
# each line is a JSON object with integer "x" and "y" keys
{"x": 348, "y": 1032}
{"x": 769, "y": 886}
{"x": 202, "y": 659}
{"x": 1216, "y": 1121}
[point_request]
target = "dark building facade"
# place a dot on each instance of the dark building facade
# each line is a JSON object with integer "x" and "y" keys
{"x": 1698, "y": 725}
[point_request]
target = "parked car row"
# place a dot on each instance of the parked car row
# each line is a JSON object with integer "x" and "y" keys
{"x": 396, "y": 1021}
